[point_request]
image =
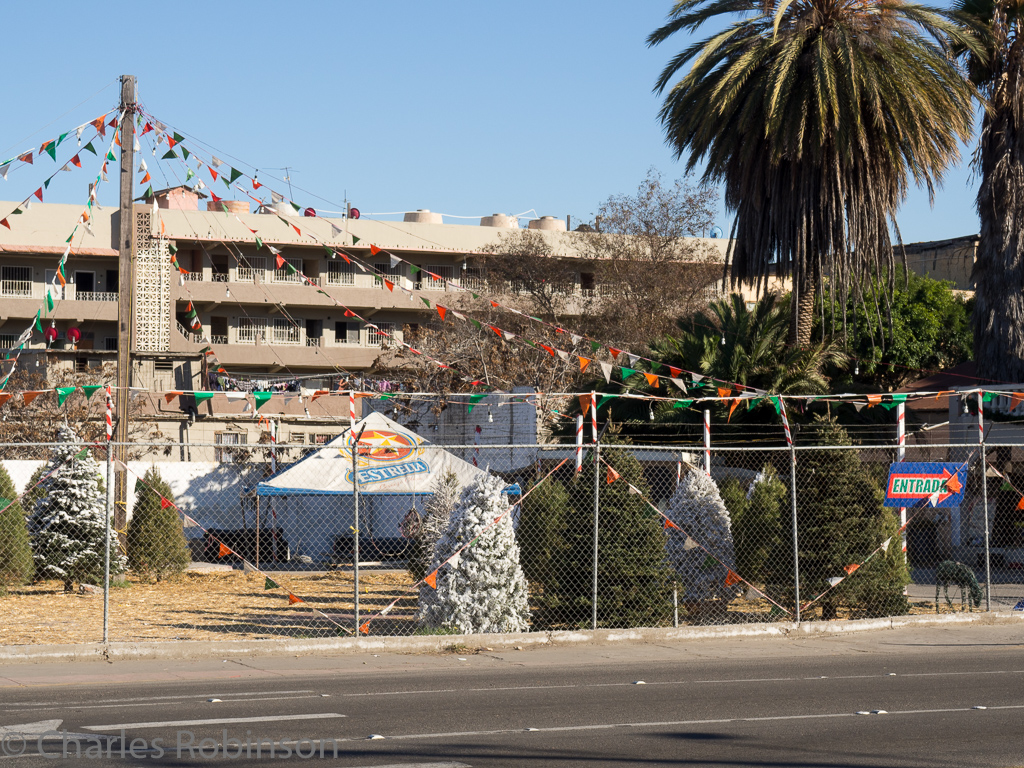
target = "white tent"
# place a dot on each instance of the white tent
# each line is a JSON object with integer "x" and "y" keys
{"x": 312, "y": 500}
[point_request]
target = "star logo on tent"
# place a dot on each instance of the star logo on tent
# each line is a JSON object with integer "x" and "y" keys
{"x": 385, "y": 445}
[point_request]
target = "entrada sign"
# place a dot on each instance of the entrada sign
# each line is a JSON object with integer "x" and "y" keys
{"x": 912, "y": 482}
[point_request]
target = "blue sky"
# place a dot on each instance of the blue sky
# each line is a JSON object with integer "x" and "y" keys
{"x": 466, "y": 108}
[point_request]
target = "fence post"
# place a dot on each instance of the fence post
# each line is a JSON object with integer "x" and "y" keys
{"x": 707, "y": 442}
{"x": 901, "y": 455}
{"x": 984, "y": 500}
{"x": 355, "y": 508}
{"x": 792, "y": 494}
{"x": 106, "y": 543}
{"x": 597, "y": 493}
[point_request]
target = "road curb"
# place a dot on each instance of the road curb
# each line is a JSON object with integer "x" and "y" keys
{"x": 205, "y": 649}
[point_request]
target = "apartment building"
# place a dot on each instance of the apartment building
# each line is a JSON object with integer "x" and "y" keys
{"x": 268, "y": 327}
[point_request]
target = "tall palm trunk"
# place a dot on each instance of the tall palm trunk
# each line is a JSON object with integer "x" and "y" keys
{"x": 801, "y": 314}
{"x": 999, "y": 267}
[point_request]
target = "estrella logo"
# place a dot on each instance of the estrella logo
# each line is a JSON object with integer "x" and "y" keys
{"x": 383, "y": 446}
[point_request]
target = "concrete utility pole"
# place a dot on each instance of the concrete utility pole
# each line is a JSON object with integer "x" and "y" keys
{"x": 126, "y": 286}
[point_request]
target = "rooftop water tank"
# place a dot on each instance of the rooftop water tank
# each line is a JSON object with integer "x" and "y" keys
{"x": 548, "y": 224}
{"x": 423, "y": 216}
{"x": 500, "y": 220}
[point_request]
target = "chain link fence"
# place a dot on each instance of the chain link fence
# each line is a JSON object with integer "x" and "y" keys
{"x": 261, "y": 541}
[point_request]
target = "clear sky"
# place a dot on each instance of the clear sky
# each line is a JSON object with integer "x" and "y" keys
{"x": 465, "y": 108}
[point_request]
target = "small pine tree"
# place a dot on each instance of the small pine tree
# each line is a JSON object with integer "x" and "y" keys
{"x": 632, "y": 575}
{"x": 702, "y": 553}
{"x": 841, "y": 521}
{"x": 16, "y": 564}
{"x": 67, "y": 527}
{"x": 486, "y": 590}
{"x": 437, "y": 514}
{"x": 756, "y": 514}
{"x": 542, "y": 523}
{"x": 156, "y": 539}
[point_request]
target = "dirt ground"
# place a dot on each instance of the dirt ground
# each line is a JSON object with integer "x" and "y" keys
{"x": 235, "y": 605}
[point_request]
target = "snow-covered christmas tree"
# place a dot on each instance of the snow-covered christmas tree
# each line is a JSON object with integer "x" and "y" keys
{"x": 437, "y": 513}
{"x": 67, "y": 526}
{"x": 697, "y": 508}
{"x": 484, "y": 590}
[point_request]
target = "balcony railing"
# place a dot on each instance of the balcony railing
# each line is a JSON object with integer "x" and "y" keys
{"x": 218, "y": 339}
{"x": 220, "y": 277}
{"x": 194, "y": 277}
{"x": 19, "y": 288}
{"x": 312, "y": 341}
{"x": 95, "y": 296}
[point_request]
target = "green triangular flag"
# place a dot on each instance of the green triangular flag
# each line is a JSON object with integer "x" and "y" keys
{"x": 604, "y": 399}
{"x": 777, "y": 402}
{"x": 627, "y": 372}
{"x": 63, "y": 393}
{"x": 172, "y": 248}
{"x": 355, "y": 239}
{"x": 51, "y": 150}
{"x": 594, "y": 346}
{"x": 61, "y": 138}
{"x": 473, "y": 400}
{"x": 202, "y": 397}
{"x": 49, "y": 300}
{"x": 425, "y": 301}
{"x": 475, "y": 295}
{"x": 236, "y": 174}
{"x": 293, "y": 205}
{"x": 413, "y": 269}
{"x": 269, "y": 584}
{"x": 655, "y": 366}
{"x": 178, "y": 138}
{"x": 291, "y": 269}
{"x": 259, "y": 243}
{"x": 682, "y": 403}
{"x": 91, "y": 389}
{"x": 227, "y": 181}
{"x": 329, "y": 251}
{"x": 476, "y": 323}
{"x": 190, "y": 174}
{"x": 82, "y": 453}
{"x": 261, "y": 398}
{"x": 46, "y": 184}
{"x": 39, "y": 325}
{"x": 709, "y": 562}
{"x": 149, "y": 192}
{"x": 110, "y": 155}
{"x": 90, "y": 147}
{"x": 169, "y": 154}
{"x": 1005, "y": 486}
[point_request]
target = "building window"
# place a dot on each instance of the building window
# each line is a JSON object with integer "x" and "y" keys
{"x": 322, "y": 439}
{"x": 110, "y": 343}
{"x": 380, "y": 335}
{"x": 251, "y": 269}
{"x": 163, "y": 365}
{"x": 250, "y": 330}
{"x": 340, "y": 273}
{"x": 286, "y": 275}
{"x": 286, "y": 331}
{"x": 587, "y": 283}
{"x": 346, "y": 333}
{"x": 16, "y": 281}
{"x": 7, "y": 340}
{"x": 443, "y": 271}
{"x": 384, "y": 269}
{"x": 222, "y": 455}
{"x": 297, "y": 438}
{"x": 474, "y": 278}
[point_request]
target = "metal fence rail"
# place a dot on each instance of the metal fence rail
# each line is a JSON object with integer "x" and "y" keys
{"x": 396, "y": 538}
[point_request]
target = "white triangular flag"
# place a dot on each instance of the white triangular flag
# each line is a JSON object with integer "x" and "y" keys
{"x": 276, "y": 198}
{"x": 395, "y": 261}
{"x": 66, "y": 167}
{"x": 234, "y": 395}
{"x": 679, "y": 383}
{"x": 455, "y": 559}
{"x": 508, "y": 336}
{"x": 457, "y": 314}
{"x": 160, "y": 127}
{"x": 563, "y": 355}
{"x": 136, "y": 145}
{"x": 199, "y": 185}
{"x": 697, "y": 378}
{"x": 142, "y": 166}
{"x": 606, "y": 369}
{"x": 835, "y": 580}
{"x": 387, "y": 610}
{"x": 689, "y": 544}
{"x": 575, "y": 339}
{"x": 273, "y": 250}
{"x": 885, "y": 544}
{"x": 335, "y": 231}
{"x": 632, "y": 359}
{"x": 634, "y": 489}
{"x": 248, "y": 567}
{"x": 4, "y": 169}
{"x": 217, "y": 162}
{"x": 78, "y": 133}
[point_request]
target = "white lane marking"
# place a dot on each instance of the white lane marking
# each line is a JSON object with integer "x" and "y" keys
{"x": 211, "y": 721}
{"x": 23, "y": 704}
{"x": 672, "y": 723}
{"x": 76, "y": 707}
{"x": 31, "y": 729}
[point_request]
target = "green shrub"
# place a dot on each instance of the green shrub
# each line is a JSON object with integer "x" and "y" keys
{"x": 16, "y": 564}
{"x": 156, "y": 541}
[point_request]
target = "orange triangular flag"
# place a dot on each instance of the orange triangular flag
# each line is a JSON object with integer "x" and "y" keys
{"x": 670, "y": 524}
{"x": 612, "y": 476}
{"x": 4, "y": 397}
{"x": 431, "y": 579}
{"x": 365, "y": 628}
{"x": 171, "y": 395}
{"x": 76, "y": 161}
{"x": 63, "y": 280}
{"x": 4, "y": 223}
{"x": 732, "y": 578}
{"x": 165, "y": 503}
{"x": 292, "y": 599}
{"x": 297, "y": 230}
{"x": 584, "y": 403}
{"x": 224, "y": 551}
{"x": 320, "y": 393}
{"x": 39, "y": 193}
{"x": 735, "y": 402}
{"x": 213, "y": 173}
{"x": 584, "y": 362}
{"x": 615, "y": 352}
{"x": 374, "y": 250}
{"x": 652, "y": 379}
{"x": 1015, "y": 399}
{"x": 442, "y": 311}
{"x": 28, "y": 397}
{"x": 390, "y": 285}
{"x": 850, "y": 569}
{"x": 874, "y": 400}
{"x": 1020, "y": 504}
{"x": 722, "y": 392}
{"x": 146, "y": 179}
{"x": 279, "y": 260}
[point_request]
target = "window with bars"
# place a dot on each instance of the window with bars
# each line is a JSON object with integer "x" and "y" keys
{"x": 222, "y": 455}
{"x": 286, "y": 331}
{"x": 250, "y": 330}
{"x": 319, "y": 439}
{"x": 443, "y": 271}
{"x": 7, "y": 340}
{"x": 251, "y": 269}
{"x": 394, "y": 274}
{"x": 380, "y": 335}
{"x": 16, "y": 281}
{"x": 346, "y": 333}
{"x": 286, "y": 275}
{"x": 340, "y": 273}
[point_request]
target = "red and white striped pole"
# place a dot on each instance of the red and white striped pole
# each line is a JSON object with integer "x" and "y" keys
{"x": 707, "y": 441}
{"x": 579, "y": 442}
{"x": 785, "y": 422}
{"x": 110, "y": 416}
{"x": 351, "y": 408}
{"x": 593, "y": 416}
{"x": 901, "y": 455}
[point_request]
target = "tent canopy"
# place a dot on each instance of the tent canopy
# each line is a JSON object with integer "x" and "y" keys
{"x": 392, "y": 460}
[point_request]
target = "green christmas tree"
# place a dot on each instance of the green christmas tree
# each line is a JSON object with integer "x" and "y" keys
{"x": 542, "y": 514}
{"x": 68, "y": 526}
{"x": 156, "y": 540}
{"x": 756, "y": 512}
{"x": 632, "y": 575}
{"x": 841, "y": 521}
{"x": 16, "y": 564}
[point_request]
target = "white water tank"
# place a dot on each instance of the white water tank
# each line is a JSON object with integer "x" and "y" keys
{"x": 500, "y": 220}
{"x": 423, "y": 216}
{"x": 548, "y": 224}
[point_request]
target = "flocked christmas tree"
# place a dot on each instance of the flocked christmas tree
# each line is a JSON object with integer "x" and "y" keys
{"x": 484, "y": 590}
{"x": 437, "y": 514}
{"x": 701, "y": 551}
{"x": 16, "y": 564}
{"x": 67, "y": 525}
{"x": 156, "y": 540}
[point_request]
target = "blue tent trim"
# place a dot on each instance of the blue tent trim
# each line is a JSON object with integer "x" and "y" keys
{"x": 264, "y": 490}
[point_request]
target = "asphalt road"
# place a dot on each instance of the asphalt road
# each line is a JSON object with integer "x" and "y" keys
{"x": 913, "y": 697}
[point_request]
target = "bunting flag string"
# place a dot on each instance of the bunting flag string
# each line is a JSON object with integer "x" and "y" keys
{"x": 689, "y": 542}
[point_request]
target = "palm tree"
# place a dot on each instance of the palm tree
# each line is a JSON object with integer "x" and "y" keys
{"x": 815, "y": 115}
{"x": 997, "y": 68}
